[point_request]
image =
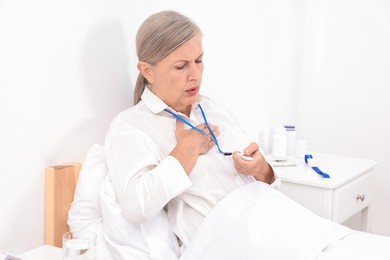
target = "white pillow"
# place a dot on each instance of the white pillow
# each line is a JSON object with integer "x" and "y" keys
{"x": 150, "y": 241}
{"x": 85, "y": 212}
{"x": 95, "y": 208}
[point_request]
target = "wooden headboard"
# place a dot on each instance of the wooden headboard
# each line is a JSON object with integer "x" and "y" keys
{"x": 60, "y": 184}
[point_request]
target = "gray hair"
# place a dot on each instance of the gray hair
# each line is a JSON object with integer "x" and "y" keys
{"x": 158, "y": 36}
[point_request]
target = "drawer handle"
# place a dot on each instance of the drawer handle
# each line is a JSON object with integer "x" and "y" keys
{"x": 360, "y": 197}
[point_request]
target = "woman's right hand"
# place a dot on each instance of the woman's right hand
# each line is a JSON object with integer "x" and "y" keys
{"x": 195, "y": 140}
{"x": 191, "y": 144}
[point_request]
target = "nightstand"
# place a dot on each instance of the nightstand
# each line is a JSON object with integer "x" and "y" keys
{"x": 349, "y": 190}
{"x": 44, "y": 252}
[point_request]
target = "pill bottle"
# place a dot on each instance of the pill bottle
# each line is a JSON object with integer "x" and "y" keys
{"x": 301, "y": 149}
{"x": 279, "y": 143}
{"x": 291, "y": 138}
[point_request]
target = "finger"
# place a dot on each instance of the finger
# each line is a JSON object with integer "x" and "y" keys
{"x": 241, "y": 161}
{"x": 240, "y": 164}
{"x": 203, "y": 127}
{"x": 179, "y": 126}
{"x": 215, "y": 130}
{"x": 252, "y": 148}
{"x": 211, "y": 143}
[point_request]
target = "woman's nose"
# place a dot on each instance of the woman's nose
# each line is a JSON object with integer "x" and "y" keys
{"x": 195, "y": 72}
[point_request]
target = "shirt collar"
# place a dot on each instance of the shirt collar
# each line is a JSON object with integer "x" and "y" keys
{"x": 156, "y": 105}
{"x": 153, "y": 102}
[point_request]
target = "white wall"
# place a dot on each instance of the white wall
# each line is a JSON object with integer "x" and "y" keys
{"x": 344, "y": 85}
{"x": 64, "y": 74}
{"x": 67, "y": 67}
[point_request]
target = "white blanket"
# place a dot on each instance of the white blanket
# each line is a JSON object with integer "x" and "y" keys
{"x": 258, "y": 222}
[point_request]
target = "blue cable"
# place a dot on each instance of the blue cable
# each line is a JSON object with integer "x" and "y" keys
{"x": 315, "y": 168}
{"x": 199, "y": 130}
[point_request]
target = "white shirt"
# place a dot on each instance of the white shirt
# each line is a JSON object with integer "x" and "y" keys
{"x": 146, "y": 178}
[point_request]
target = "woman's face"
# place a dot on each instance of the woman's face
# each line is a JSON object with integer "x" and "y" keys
{"x": 177, "y": 78}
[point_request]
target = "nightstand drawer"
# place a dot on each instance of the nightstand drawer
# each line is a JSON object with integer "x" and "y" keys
{"x": 353, "y": 197}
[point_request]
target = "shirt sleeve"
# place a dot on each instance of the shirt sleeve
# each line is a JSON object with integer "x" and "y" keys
{"x": 143, "y": 184}
{"x": 276, "y": 183}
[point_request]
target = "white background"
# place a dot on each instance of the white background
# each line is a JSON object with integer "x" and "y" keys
{"x": 67, "y": 67}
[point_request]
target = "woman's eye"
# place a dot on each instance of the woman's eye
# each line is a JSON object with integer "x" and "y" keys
{"x": 198, "y": 61}
{"x": 179, "y": 67}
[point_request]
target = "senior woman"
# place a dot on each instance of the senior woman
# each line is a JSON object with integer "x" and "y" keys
{"x": 161, "y": 160}
{"x": 175, "y": 150}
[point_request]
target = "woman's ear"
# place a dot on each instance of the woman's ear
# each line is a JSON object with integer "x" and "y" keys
{"x": 146, "y": 70}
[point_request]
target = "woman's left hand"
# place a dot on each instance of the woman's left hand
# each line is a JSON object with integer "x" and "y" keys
{"x": 258, "y": 167}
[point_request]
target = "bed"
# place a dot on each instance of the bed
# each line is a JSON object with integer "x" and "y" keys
{"x": 282, "y": 221}
{"x": 60, "y": 183}
{"x": 79, "y": 195}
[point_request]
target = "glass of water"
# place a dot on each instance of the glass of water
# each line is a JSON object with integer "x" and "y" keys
{"x": 79, "y": 246}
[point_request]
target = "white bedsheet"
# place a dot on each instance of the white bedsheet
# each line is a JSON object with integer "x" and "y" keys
{"x": 253, "y": 222}
{"x": 258, "y": 222}
{"x": 358, "y": 246}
